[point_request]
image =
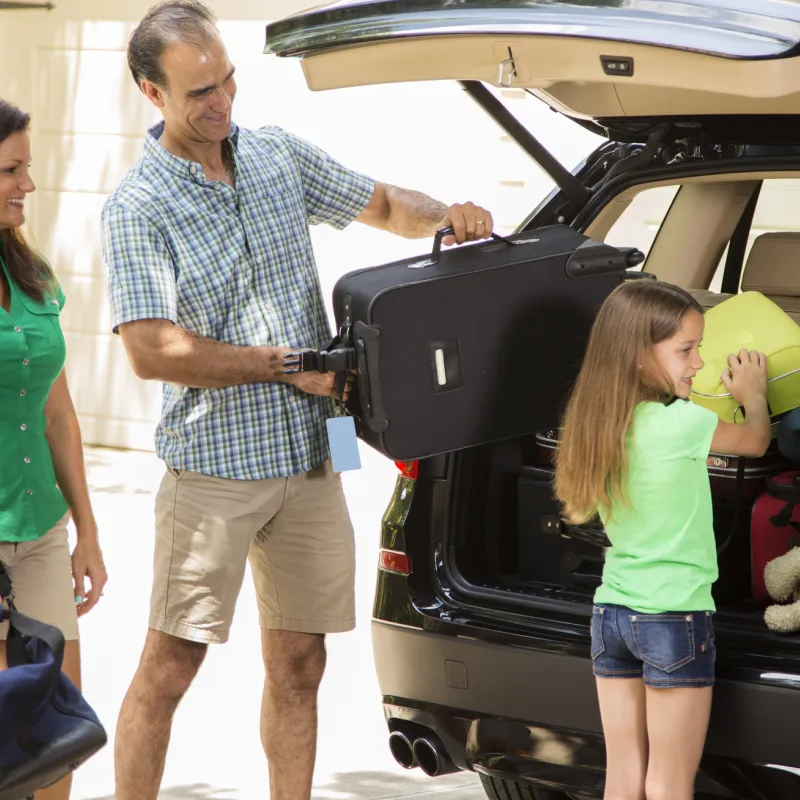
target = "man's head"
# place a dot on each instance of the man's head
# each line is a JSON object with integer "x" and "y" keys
{"x": 178, "y": 60}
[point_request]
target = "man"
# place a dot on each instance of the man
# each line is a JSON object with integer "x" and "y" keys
{"x": 212, "y": 280}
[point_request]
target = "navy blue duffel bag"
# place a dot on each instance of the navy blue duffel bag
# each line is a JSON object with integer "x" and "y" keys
{"x": 46, "y": 726}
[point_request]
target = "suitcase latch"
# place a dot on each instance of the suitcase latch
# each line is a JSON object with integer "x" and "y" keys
{"x": 340, "y": 360}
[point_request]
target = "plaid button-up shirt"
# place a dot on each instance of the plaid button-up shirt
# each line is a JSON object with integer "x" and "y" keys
{"x": 235, "y": 265}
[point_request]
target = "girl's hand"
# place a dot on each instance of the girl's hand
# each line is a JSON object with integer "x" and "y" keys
{"x": 87, "y": 562}
{"x": 746, "y": 377}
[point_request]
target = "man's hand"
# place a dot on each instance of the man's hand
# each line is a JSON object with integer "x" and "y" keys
{"x": 322, "y": 384}
{"x": 416, "y": 216}
{"x": 470, "y": 222}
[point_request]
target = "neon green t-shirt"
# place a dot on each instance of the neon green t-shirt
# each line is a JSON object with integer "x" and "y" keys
{"x": 663, "y": 555}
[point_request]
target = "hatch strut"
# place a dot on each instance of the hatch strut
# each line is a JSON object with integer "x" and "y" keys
{"x": 571, "y": 186}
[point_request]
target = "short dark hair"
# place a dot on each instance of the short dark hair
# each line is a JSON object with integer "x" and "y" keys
{"x": 187, "y": 21}
{"x": 28, "y": 269}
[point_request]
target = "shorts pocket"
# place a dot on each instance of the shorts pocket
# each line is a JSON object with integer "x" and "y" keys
{"x": 709, "y": 643}
{"x": 664, "y": 641}
{"x": 598, "y": 642}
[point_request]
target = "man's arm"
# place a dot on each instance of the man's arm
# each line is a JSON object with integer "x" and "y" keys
{"x": 161, "y": 351}
{"x": 414, "y": 215}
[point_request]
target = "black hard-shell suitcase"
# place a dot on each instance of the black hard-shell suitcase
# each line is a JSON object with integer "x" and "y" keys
{"x": 474, "y": 344}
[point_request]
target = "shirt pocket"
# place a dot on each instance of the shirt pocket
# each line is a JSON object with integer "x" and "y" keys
{"x": 45, "y": 326}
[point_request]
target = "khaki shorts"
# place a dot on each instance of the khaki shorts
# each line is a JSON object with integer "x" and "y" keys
{"x": 296, "y": 533}
{"x": 41, "y": 571}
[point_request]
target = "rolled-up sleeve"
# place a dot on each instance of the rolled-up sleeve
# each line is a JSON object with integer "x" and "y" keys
{"x": 139, "y": 272}
{"x": 333, "y": 193}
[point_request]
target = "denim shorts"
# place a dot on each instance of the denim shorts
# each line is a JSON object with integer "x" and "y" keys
{"x": 668, "y": 651}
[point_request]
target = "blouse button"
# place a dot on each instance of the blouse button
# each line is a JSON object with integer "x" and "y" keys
{"x": 17, "y": 329}
{"x": 25, "y": 362}
{"x": 23, "y": 427}
{"x": 27, "y": 460}
{"x": 22, "y": 393}
{"x": 30, "y": 492}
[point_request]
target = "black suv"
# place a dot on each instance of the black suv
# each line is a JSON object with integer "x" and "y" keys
{"x": 483, "y": 604}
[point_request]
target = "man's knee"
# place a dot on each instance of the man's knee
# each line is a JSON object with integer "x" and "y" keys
{"x": 169, "y": 665}
{"x": 294, "y": 662}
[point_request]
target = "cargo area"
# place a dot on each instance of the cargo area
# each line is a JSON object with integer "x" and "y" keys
{"x": 507, "y": 534}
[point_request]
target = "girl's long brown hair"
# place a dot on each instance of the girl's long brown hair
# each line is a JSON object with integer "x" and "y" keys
{"x": 618, "y": 373}
{"x": 28, "y": 269}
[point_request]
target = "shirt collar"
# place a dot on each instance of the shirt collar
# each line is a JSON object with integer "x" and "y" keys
{"x": 179, "y": 167}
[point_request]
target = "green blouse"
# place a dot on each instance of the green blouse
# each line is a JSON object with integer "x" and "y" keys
{"x": 32, "y": 355}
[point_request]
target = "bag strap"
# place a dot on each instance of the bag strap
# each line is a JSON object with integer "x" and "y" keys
{"x": 789, "y": 491}
{"x": 21, "y": 630}
{"x": 6, "y": 589}
{"x": 737, "y": 505}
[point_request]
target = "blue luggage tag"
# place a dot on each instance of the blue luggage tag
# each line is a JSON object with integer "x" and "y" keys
{"x": 343, "y": 443}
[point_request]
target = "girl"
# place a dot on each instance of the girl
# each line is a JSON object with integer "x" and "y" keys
{"x": 42, "y": 478}
{"x": 634, "y": 449}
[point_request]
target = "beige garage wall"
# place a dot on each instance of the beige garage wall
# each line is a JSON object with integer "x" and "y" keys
{"x": 67, "y": 67}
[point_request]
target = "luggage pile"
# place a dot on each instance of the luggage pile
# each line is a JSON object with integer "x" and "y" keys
{"x": 447, "y": 351}
{"x": 752, "y": 321}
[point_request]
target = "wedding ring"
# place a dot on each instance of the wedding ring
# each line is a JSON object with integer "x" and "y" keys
{"x": 480, "y": 222}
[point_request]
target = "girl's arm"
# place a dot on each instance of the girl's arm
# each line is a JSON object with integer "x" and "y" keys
{"x": 64, "y": 437}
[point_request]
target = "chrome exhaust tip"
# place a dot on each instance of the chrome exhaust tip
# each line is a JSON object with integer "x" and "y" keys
{"x": 402, "y": 749}
{"x": 431, "y": 757}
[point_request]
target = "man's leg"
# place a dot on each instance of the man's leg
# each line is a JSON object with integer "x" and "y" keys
{"x": 204, "y": 527}
{"x": 303, "y": 564}
{"x": 293, "y": 664}
{"x": 166, "y": 670}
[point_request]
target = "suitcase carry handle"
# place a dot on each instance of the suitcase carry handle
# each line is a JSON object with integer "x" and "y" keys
{"x": 450, "y": 231}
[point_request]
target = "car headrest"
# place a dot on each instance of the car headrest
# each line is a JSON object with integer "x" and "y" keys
{"x": 773, "y": 266}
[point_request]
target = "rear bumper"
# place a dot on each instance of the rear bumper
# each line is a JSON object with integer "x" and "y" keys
{"x": 527, "y": 713}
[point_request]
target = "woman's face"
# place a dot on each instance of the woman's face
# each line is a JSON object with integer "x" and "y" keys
{"x": 15, "y": 179}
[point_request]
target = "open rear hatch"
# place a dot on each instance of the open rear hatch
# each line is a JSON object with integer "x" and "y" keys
{"x": 603, "y": 60}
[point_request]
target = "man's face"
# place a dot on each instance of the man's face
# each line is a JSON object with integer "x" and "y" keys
{"x": 196, "y": 102}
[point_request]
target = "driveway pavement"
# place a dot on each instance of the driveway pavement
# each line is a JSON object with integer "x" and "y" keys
{"x": 215, "y": 752}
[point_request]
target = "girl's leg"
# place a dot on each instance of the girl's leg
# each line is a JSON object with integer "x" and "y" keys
{"x": 677, "y": 722}
{"x": 623, "y": 711}
{"x": 72, "y": 669}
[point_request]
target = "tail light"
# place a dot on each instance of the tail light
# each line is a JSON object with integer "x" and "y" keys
{"x": 408, "y": 469}
{"x": 395, "y": 562}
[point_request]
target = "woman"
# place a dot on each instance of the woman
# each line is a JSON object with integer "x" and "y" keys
{"x": 42, "y": 476}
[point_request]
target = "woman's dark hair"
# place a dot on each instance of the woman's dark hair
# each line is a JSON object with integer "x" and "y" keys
{"x": 187, "y": 21}
{"x": 28, "y": 269}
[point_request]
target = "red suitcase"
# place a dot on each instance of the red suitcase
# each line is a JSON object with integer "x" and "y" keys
{"x": 774, "y": 527}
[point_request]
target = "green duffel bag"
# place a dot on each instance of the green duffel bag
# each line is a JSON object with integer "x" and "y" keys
{"x": 753, "y": 322}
